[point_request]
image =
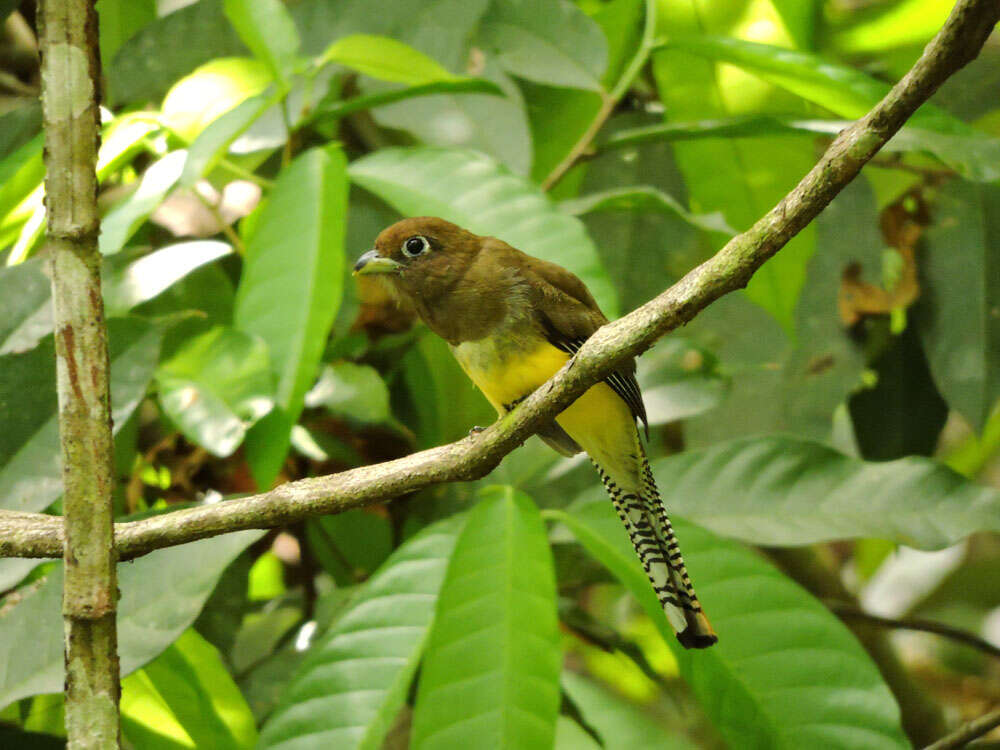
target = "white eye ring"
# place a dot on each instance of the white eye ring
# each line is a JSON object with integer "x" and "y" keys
{"x": 414, "y": 246}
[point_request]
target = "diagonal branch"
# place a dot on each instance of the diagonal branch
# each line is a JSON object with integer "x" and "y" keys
{"x": 958, "y": 42}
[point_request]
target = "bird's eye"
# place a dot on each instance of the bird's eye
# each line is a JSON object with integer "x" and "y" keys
{"x": 415, "y": 246}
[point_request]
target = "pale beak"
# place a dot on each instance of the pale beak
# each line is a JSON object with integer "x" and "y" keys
{"x": 372, "y": 262}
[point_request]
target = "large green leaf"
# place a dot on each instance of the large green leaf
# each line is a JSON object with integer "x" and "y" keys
{"x": 475, "y": 192}
{"x": 266, "y": 27}
{"x": 959, "y": 319}
{"x": 554, "y": 43}
{"x": 217, "y": 384}
{"x": 119, "y": 21}
{"x": 292, "y": 285}
{"x": 620, "y": 725}
{"x": 386, "y": 59}
{"x": 30, "y": 477}
{"x": 785, "y": 673}
{"x": 742, "y": 178}
{"x": 186, "y": 698}
{"x": 161, "y": 594}
{"x": 848, "y": 92}
{"x": 356, "y": 677}
{"x": 783, "y": 491}
{"x": 490, "y": 677}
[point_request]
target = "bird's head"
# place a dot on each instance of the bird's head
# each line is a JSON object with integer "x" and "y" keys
{"x": 418, "y": 255}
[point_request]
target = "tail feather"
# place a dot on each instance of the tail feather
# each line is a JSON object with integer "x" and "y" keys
{"x": 652, "y": 536}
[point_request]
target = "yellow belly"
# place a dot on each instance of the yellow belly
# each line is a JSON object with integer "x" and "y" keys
{"x": 599, "y": 421}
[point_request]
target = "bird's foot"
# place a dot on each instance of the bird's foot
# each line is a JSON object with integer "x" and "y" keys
{"x": 476, "y": 429}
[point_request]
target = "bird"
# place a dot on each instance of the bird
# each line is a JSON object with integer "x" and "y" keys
{"x": 512, "y": 321}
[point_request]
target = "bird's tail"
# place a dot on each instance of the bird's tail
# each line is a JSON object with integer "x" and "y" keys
{"x": 645, "y": 519}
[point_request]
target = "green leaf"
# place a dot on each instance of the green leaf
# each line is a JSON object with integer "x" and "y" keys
{"x": 30, "y": 476}
{"x": 900, "y": 24}
{"x": 356, "y": 677}
{"x": 490, "y": 677}
{"x": 186, "y": 698}
{"x": 644, "y": 198}
{"x": 161, "y": 594}
{"x": 25, "y": 306}
{"x": 619, "y": 724}
{"x": 386, "y": 59}
{"x": 149, "y": 63}
{"x": 958, "y": 319}
{"x": 554, "y": 43}
{"x": 266, "y": 27}
{"x": 681, "y": 380}
{"x": 571, "y": 736}
{"x": 785, "y": 673}
{"x": 215, "y": 386}
{"x": 475, "y": 192}
{"x": 21, "y": 172}
{"x": 783, "y": 491}
{"x": 353, "y": 391}
{"x": 119, "y": 21}
{"x": 122, "y": 221}
{"x": 351, "y": 545}
{"x": 151, "y": 275}
{"x": 293, "y": 276}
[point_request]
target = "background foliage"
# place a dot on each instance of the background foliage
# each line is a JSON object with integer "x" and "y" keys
{"x": 842, "y": 412}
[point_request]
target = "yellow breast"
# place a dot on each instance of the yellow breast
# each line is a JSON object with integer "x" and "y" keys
{"x": 507, "y": 371}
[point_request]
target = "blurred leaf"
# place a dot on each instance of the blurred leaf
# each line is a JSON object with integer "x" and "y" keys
{"x": 18, "y": 126}
{"x": 122, "y": 221}
{"x": 13, "y": 570}
{"x": 292, "y": 284}
{"x": 30, "y": 475}
{"x": 161, "y": 594}
{"x": 150, "y": 275}
{"x": 350, "y": 390}
{"x": 267, "y": 29}
{"x": 903, "y": 413}
{"x": 681, "y": 380}
{"x": 644, "y": 198}
{"x": 21, "y": 172}
{"x": 186, "y": 698}
{"x": 785, "y": 673}
{"x": 215, "y": 386}
{"x": 899, "y": 24}
{"x": 266, "y": 579}
{"x": 211, "y": 91}
{"x": 620, "y": 725}
{"x": 152, "y": 61}
{"x": 783, "y": 491}
{"x": 490, "y": 677}
{"x": 475, "y": 192}
{"x": 212, "y": 143}
{"x": 356, "y": 677}
{"x": 25, "y": 306}
{"x": 958, "y": 315}
{"x": 262, "y": 632}
{"x": 386, "y": 59}
{"x": 351, "y": 545}
{"x": 119, "y": 21}
{"x": 265, "y": 684}
{"x": 801, "y": 19}
{"x": 554, "y": 43}
{"x": 571, "y": 736}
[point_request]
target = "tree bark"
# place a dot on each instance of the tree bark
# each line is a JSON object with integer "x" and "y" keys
{"x": 70, "y": 82}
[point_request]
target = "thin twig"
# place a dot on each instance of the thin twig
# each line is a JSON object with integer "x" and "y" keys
{"x": 968, "y": 732}
{"x": 608, "y": 100}
{"x": 958, "y": 42}
{"x": 850, "y": 611}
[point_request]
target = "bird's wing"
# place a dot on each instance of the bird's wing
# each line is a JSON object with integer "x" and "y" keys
{"x": 569, "y": 315}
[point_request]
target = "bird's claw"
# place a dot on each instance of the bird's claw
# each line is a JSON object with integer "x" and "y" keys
{"x": 476, "y": 429}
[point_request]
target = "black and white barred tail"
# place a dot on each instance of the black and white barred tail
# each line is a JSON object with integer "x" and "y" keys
{"x": 652, "y": 536}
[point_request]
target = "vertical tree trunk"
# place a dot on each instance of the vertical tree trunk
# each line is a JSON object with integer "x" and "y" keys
{"x": 70, "y": 81}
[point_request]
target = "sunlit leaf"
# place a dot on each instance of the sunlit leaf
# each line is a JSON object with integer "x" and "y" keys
{"x": 186, "y": 698}
{"x": 490, "y": 677}
{"x": 211, "y": 144}
{"x": 30, "y": 476}
{"x": 215, "y": 386}
{"x": 785, "y": 672}
{"x": 356, "y": 677}
{"x": 386, "y": 59}
{"x": 266, "y": 27}
{"x": 161, "y": 594}
{"x": 475, "y": 192}
{"x": 350, "y": 390}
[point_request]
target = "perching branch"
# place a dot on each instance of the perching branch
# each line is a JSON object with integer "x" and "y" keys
{"x": 968, "y": 732}
{"x": 958, "y": 42}
{"x": 70, "y": 82}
